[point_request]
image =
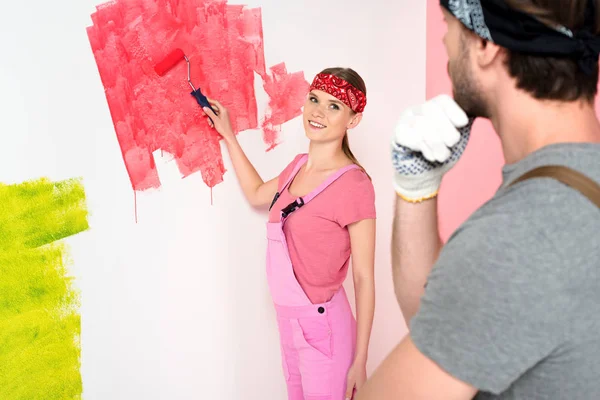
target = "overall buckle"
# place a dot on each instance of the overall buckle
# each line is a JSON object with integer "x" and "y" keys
{"x": 290, "y": 208}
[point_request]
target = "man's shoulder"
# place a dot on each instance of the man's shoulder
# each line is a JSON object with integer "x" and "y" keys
{"x": 542, "y": 203}
{"x": 533, "y": 215}
{"x": 537, "y": 224}
{"x": 583, "y": 158}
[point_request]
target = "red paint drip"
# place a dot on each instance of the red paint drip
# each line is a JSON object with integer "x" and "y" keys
{"x": 135, "y": 206}
{"x": 225, "y": 46}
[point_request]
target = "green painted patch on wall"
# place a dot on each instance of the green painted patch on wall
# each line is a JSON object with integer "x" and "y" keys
{"x": 39, "y": 308}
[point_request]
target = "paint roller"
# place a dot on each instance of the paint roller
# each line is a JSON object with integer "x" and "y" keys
{"x": 169, "y": 62}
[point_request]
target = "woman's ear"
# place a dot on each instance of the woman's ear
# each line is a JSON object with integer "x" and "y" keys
{"x": 354, "y": 121}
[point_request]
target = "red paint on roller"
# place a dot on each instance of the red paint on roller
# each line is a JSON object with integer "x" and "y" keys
{"x": 169, "y": 62}
{"x": 225, "y": 46}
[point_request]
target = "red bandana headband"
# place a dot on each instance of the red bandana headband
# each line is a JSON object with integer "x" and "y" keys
{"x": 341, "y": 90}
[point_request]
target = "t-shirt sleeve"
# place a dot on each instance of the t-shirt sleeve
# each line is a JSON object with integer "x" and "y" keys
{"x": 492, "y": 306}
{"x": 356, "y": 200}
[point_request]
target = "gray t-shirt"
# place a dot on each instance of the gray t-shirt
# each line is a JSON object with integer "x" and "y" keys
{"x": 512, "y": 306}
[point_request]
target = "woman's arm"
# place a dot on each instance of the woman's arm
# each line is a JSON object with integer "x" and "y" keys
{"x": 362, "y": 242}
{"x": 257, "y": 192}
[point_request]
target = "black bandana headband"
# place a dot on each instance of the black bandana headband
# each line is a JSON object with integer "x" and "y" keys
{"x": 495, "y": 21}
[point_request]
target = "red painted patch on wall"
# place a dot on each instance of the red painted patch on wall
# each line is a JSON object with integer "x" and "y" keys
{"x": 226, "y": 48}
{"x": 287, "y": 93}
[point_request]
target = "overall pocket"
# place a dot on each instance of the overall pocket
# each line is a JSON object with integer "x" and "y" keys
{"x": 316, "y": 332}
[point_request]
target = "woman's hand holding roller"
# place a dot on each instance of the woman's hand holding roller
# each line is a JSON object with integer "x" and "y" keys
{"x": 220, "y": 120}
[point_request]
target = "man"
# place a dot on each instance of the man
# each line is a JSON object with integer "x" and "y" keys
{"x": 511, "y": 309}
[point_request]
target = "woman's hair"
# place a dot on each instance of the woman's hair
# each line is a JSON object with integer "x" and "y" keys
{"x": 353, "y": 78}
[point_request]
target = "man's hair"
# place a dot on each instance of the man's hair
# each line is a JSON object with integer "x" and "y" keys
{"x": 553, "y": 78}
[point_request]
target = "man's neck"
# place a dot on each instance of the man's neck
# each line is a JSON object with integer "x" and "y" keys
{"x": 525, "y": 124}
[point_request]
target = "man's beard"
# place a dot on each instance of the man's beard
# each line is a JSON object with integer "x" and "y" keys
{"x": 465, "y": 90}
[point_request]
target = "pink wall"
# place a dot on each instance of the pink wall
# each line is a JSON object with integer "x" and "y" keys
{"x": 477, "y": 175}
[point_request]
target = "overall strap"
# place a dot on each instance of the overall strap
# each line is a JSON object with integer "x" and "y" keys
{"x": 332, "y": 178}
{"x": 300, "y": 201}
{"x": 567, "y": 176}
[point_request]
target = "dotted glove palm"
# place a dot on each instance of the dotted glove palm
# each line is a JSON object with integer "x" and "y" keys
{"x": 428, "y": 141}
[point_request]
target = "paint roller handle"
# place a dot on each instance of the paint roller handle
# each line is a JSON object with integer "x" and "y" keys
{"x": 202, "y": 100}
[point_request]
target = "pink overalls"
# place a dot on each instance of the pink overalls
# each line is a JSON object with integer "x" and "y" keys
{"x": 317, "y": 340}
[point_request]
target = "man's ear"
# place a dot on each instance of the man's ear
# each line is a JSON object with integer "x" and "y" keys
{"x": 486, "y": 52}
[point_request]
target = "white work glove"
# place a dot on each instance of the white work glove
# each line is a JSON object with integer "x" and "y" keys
{"x": 428, "y": 140}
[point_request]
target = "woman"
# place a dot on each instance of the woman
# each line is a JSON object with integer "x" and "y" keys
{"x": 322, "y": 209}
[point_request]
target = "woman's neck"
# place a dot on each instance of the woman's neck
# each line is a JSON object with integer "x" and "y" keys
{"x": 326, "y": 156}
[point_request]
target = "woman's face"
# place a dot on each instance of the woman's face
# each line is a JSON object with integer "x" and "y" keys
{"x": 326, "y": 118}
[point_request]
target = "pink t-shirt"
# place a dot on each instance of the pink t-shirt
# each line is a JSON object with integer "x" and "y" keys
{"x": 317, "y": 234}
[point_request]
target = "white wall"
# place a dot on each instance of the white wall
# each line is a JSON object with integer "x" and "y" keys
{"x": 176, "y": 306}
